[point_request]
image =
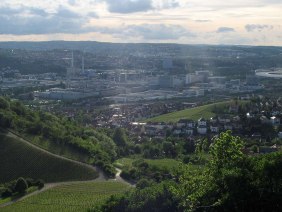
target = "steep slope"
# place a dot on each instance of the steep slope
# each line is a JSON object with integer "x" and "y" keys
{"x": 21, "y": 159}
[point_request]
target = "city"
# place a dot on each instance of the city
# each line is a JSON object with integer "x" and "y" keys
{"x": 140, "y": 105}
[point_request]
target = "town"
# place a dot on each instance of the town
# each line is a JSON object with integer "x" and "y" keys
{"x": 130, "y": 98}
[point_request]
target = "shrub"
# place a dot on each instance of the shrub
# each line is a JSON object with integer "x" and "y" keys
{"x": 30, "y": 182}
{"x": 39, "y": 183}
{"x": 7, "y": 193}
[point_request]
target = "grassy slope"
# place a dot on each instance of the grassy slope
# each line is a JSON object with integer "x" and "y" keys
{"x": 163, "y": 163}
{"x": 204, "y": 111}
{"x": 70, "y": 197}
{"x": 21, "y": 160}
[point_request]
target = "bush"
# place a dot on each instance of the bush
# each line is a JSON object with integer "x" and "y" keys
{"x": 39, "y": 183}
{"x": 109, "y": 170}
{"x": 186, "y": 159}
{"x": 143, "y": 183}
{"x": 7, "y": 193}
{"x": 30, "y": 182}
{"x": 125, "y": 174}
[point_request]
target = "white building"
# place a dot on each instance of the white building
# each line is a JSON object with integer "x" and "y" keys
{"x": 202, "y": 130}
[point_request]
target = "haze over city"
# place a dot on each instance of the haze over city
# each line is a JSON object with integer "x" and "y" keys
{"x": 253, "y": 22}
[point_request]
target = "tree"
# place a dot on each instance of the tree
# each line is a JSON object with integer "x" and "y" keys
{"x": 120, "y": 137}
{"x": 226, "y": 151}
{"x": 169, "y": 149}
{"x": 21, "y": 185}
{"x": 222, "y": 184}
{"x": 4, "y": 104}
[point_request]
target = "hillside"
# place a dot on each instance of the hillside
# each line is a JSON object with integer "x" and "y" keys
{"x": 20, "y": 159}
{"x": 69, "y": 197}
{"x": 205, "y": 111}
{"x": 58, "y": 135}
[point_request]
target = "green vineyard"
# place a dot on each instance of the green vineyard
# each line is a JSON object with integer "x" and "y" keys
{"x": 19, "y": 159}
{"x": 69, "y": 197}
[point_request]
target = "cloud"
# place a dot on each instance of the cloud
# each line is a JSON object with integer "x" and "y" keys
{"x": 258, "y": 27}
{"x": 26, "y": 20}
{"x": 129, "y": 6}
{"x": 225, "y": 30}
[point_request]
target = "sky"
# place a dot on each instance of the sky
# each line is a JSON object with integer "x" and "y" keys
{"x": 239, "y": 22}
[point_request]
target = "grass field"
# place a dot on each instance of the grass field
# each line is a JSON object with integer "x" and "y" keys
{"x": 69, "y": 197}
{"x": 205, "y": 111}
{"x": 162, "y": 163}
{"x": 21, "y": 160}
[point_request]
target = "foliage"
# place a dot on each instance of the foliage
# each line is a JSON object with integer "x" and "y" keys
{"x": 226, "y": 151}
{"x": 121, "y": 140}
{"x": 155, "y": 170}
{"x": 155, "y": 198}
{"x": 21, "y": 185}
{"x": 170, "y": 147}
{"x": 231, "y": 181}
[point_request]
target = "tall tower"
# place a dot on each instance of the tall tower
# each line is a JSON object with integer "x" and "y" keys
{"x": 72, "y": 62}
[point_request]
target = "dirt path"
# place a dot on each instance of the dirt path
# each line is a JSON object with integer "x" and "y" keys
{"x": 101, "y": 176}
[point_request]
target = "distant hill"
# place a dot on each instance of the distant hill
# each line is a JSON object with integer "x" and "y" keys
{"x": 94, "y": 47}
{"x": 19, "y": 159}
{"x": 220, "y": 59}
